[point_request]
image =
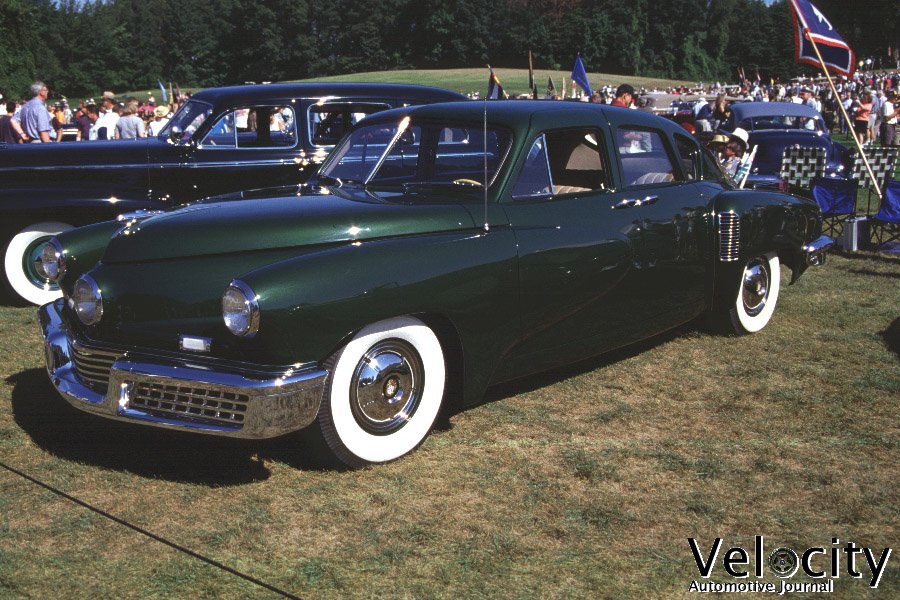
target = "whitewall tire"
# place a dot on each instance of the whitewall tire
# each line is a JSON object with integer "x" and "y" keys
{"x": 22, "y": 248}
{"x": 385, "y": 391}
{"x": 757, "y": 294}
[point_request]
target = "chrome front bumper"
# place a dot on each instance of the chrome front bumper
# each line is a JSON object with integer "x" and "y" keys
{"x": 182, "y": 393}
{"x": 816, "y": 250}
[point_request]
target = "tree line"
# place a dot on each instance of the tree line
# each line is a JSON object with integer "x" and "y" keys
{"x": 81, "y": 46}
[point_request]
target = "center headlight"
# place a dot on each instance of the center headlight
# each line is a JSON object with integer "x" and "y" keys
{"x": 240, "y": 309}
{"x": 52, "y": 261}
{"x": 87, "y": 301}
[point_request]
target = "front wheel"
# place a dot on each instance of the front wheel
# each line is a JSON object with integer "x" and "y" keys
{"x": 23, "y": 249}
{"x": 757, "y": 294}
{"x": 384, "y": 394}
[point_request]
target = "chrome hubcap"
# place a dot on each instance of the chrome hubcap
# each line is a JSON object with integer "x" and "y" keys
{"x": 386, "y": 387}
{"x": 755, "y": 289}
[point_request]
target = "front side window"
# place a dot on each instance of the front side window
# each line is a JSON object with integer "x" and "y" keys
{"x": 644, "y": 157}
{"x": 254, "y": 127}
{"x": 687, "y": 154}
{"x": 407, "y": 153}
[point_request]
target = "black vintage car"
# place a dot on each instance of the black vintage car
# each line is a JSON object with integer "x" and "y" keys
{"x": 221, "y": 140}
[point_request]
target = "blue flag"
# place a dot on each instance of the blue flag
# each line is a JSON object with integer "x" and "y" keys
{"x": 579, "y": 76}
{"x": 811, "y": 24}
{"x": 162, "y": 88}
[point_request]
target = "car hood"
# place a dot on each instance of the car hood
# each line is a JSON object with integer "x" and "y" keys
{"x": 310, "y": 216}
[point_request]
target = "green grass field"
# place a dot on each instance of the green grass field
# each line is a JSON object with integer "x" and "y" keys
{"x": 514, "y": 81}
{"x": 581, "y": 483}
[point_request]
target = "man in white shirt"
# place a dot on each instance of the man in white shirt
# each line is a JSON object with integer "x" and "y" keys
{"x": 889, "y": 113}
{"x": 106, "y": 125}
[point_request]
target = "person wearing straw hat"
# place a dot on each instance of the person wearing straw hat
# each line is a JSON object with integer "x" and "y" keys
{"x": 160, "y": 119}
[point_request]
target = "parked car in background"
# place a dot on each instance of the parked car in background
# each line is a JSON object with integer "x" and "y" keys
{"x": 221, "y": 140}
{"x": 440, "y": 249}
{"x": 774, "y": 126}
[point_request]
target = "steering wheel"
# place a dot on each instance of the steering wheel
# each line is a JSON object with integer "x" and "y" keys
{"x": 471, "y": 182}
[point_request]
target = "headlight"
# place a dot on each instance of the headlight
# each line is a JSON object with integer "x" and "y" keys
{"x": 87, "y": 302}
{"x": 52, "y": 261}
{"x": 240, "y": 309}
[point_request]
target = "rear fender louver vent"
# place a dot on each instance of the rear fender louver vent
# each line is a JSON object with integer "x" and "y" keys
{"x": 729, "y": 236}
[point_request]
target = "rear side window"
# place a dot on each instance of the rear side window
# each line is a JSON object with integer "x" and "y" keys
{"x": 563, "y": 162}
{"x": 645, "y": 160}
{"x": 329, "y": 121}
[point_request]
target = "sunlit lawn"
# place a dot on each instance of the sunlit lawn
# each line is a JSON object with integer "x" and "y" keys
{"x": 581, "y": 483}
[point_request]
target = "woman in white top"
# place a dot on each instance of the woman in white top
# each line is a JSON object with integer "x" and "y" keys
{"x": 160, "y": 119}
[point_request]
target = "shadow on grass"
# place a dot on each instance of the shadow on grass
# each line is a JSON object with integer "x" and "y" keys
{"x": 547, "y": 378}
{"x": 69, "y": 434}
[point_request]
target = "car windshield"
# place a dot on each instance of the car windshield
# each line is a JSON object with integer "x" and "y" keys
{"x": 406, "y": 154}
{"x": 187, "y": 120}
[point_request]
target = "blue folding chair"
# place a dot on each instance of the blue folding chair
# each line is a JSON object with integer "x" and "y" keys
{"x": 885, "y": 225}
{"x": 837, "y": 200}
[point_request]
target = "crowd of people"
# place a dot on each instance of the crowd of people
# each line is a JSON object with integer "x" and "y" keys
{"x": 40, "y": 121}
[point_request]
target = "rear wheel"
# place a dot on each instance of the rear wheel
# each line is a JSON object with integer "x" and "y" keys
{"x": 757, "y": 294}
{"x": 20, "y": 264}
{"x": 385, "y": 391}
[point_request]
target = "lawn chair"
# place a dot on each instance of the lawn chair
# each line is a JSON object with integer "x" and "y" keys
{"x": 882, "y": 161}
{"x": 837, "y": 200}
{"x": 885, "y": 226}
{"x": 800, "y": 165}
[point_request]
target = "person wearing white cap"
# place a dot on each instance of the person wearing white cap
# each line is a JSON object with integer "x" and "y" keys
{"x": 734, "y": 151}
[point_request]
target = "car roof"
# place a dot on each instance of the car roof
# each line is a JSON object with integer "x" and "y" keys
{"x": 284, "y": 92}
{"x": 747, "y": 110}
{"x": 541, "y": 114}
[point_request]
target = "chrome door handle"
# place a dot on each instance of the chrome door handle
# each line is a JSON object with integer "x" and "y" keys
{"x": 646, "y": 200}
{"x": 623, "y": 204}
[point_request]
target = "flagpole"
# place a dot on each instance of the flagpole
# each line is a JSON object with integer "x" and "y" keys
{"x": 844, "y": 112}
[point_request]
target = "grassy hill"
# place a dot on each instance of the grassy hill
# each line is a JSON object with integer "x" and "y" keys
{"x": 514, "y": 81}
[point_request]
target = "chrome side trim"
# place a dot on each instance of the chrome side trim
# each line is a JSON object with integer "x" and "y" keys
{"x": 225, "y": 401}
{"x": 816, "y": 251}
{"x": 729, "y": 236}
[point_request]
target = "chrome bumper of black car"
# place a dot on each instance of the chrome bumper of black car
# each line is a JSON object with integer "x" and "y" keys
{"x": 816, "y": 250}
{"x": 178, "y": 393}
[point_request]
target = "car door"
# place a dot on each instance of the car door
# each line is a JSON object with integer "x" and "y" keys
{"x": 576, "y": 248}
{"x": 670, "y": 206}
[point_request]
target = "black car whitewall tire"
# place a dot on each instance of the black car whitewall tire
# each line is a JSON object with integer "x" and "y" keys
{"x": 757, "y": 294}
{"x": 385, "y": 391}
{"x": 21, "y": 249}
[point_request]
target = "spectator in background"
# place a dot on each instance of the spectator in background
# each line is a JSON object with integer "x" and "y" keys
{"x": 105, "y": 127}
{"x": 624, "y": 96}
{"x": 82, "y": 120}
{"x": 720, "y": 112}
{"x": 890, "y": 113}
{"x": 160, "y": 120}
{"x": 9, "y": 135}
{"x": 863, "y": 108}
{"x": 130, "y": 126}
{"x": 33, "y": 118}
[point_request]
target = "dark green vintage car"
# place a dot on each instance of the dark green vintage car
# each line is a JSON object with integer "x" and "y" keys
{"x": 439, "y": 250}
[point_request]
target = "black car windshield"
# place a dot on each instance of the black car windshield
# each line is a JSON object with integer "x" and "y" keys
{"x": 405, "y": 153}
{"x": 188, "y": 119}
{"x": 781, "y": 122}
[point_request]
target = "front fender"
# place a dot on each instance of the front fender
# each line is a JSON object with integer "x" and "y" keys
{"x": 83, "y": 247}
{"x": 767, "y": 222}
{"x": 312, "y": 304}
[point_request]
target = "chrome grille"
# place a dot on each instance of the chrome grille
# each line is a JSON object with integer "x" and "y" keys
{"x": 729, "y": 236}
{"x": 189, "y": 402}
{"x": 92, "y": 366}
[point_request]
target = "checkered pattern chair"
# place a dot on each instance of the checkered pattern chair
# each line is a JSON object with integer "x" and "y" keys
{"x": 882, "y": 161}
{"x": 800, "y": 165}
{"x": 885, "y": 225}
{"x": 837, "y": 200}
